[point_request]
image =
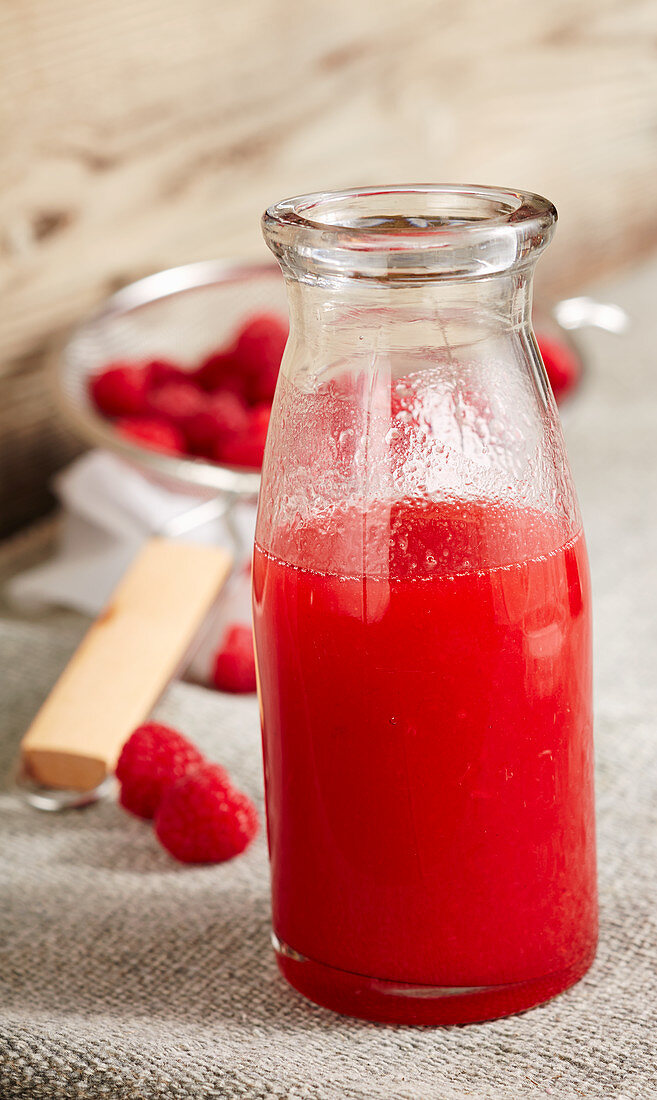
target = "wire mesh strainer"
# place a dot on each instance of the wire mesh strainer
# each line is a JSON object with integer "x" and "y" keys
{"x": 180, "y": 314}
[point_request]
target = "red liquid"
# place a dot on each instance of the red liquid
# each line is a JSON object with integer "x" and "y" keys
{"x": 428, "y": 759}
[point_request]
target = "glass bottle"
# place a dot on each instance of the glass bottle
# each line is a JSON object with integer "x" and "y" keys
{"x": 422, "y": 616}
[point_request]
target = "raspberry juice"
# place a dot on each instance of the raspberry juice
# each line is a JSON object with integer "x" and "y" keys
{"x": 425, "y": 677}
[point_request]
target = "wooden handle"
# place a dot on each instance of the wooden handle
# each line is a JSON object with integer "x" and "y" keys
{"x": 123, "y": 664}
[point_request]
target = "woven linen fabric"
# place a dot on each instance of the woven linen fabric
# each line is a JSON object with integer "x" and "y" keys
{"x": 124, "y": 975}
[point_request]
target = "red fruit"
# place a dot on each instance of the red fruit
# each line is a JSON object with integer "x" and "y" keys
{"x": 260, "y": 418}
{"x": 177, "y": 402}
{"x": 247, "y": 448}
{"x": 221, "y": 371}
{"x": 153, "y": 757}
{"x": 161, "y": 371}
{"x": 242, "y": 451}
{"x": 158, "y": 435}
{"x": 561, "y": 363}
{"x": 259, "y": 349}
{"x": 120, "y": 390}
{"x": 203, "y": 819}
{"x": 234, "y": 662}
{"x": 224, "y": 415}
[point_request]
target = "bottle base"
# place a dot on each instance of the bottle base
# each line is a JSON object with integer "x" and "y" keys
{"x": 392, "y": 1002}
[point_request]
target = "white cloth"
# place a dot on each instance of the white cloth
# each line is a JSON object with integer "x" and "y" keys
{"x": 109, "y": 509}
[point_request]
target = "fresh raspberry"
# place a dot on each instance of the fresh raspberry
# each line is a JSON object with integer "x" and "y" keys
{"x": 259, "y": 349}
{"x": 177, "y": 402}
{"x": 203, "y": 819}
{"x": 260, "y": 418}
{"x": 120, "y": 390}
{"x": 221, "y": 371}
{"x": 234, "y": 662}
{"x": 237, "y": 451}
{"x": 161, "y": 371}
{"x": 158, "y": 435}
{"x": 248, "y": 447}
{"x": 561, "y": 363}
{"x": 153, "y": 757}
{"x": 224, "y": 415}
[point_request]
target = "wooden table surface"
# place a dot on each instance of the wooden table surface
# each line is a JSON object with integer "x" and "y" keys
{"x": 139, "y": 134}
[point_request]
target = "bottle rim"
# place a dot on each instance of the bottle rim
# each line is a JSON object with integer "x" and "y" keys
{"x": 408, "y": 232}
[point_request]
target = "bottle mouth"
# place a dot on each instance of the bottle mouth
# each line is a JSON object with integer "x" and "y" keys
{"x": 408, "y": 232}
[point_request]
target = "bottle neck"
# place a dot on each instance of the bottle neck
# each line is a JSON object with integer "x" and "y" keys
{"x": 337, "y": 318}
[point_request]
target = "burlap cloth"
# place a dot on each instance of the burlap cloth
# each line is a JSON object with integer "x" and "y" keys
{"x": 125, "y": 975}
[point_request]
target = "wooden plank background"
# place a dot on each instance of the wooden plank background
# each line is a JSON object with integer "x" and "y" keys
{"x": 137, "y": 134}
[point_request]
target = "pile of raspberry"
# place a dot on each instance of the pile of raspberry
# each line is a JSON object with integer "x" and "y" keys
{"x": 199, "y": 816}
{"x": 218, "y": 411}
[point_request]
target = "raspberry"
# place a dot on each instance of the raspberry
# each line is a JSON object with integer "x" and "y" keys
{"x": 177, "y": 402}
{"x": 153, "y": 757}
{"x": 234, "y": 662}
{"x": 158, "y": 435}
{"x": 161, "y": 371}
{"x": 247, "y": 448}
{"x": 259, "y": 349}
{"x": 224, "y": 415}
{"x": 221, "y": 371}
{"x": 203, "y": 819}
{"x": 120, "y": 390}
{"x": 561, "y": 364}
{"x": 260, "y": 418}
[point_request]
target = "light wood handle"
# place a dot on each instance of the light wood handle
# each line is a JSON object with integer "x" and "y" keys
{"x": 123, "y": 663}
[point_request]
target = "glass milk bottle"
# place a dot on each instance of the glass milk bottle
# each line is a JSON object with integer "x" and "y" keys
{"x": 422, "y": 616}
